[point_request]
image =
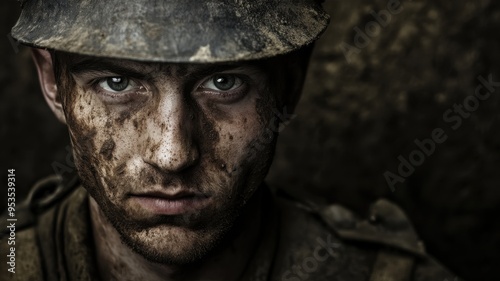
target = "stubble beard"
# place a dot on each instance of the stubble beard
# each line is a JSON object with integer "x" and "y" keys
{"x": 179, "y": 240}
{"x": 176, "y": 242}
{"x": 189, "y": 239}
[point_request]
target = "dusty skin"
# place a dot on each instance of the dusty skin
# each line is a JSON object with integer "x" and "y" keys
{"x": 168, "y": 130}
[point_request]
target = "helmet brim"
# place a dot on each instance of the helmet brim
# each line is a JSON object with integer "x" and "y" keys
{"x": 188, "y": 31}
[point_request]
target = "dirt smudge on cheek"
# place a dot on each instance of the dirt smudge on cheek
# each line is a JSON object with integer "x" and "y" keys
{"x": 107, "y": 149}
{"x": 210, "y": 141}
{"x": 120, "y": 169}
{"x": 208, "y": 136}
{"x": 82, "y": 134}
{"x": 263, "y": 106}
{"x": 128, "y": 111}
{"x": 124, "y": 115}
{"x": 84, "y": 149}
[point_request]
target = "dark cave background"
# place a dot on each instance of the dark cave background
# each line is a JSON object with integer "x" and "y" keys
{"x": 355, "y": 118}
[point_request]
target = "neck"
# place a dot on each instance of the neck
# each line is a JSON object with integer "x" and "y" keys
{"x": 116, "y": 261}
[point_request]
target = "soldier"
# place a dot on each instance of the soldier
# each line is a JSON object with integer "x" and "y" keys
{"x": 173, "y": 110}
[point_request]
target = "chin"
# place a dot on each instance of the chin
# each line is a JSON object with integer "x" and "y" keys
{"x": 173, "y": 245}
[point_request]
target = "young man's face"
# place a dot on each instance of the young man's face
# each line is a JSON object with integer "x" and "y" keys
{"x": 170, "y": 152}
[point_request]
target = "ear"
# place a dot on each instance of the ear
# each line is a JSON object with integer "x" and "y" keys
{"x": 45, "y": 68}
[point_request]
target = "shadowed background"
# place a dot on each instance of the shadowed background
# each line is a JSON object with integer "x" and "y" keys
{"x": 362, "y": 108}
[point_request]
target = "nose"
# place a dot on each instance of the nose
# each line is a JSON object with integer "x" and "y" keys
{"x": 171, "y": 147}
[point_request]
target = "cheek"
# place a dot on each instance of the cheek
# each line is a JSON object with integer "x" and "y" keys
{"x": 236, "y": 138}
{"x": 92, "y": 136}
{"x": 247, "y": 145}
{"x": 82, "y": 120}
{"x": 247, "y": 135}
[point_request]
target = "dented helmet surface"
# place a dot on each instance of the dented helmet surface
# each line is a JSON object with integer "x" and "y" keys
{"x": 172, "y": 30}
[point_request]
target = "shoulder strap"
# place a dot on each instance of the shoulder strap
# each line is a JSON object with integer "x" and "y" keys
{"x": 386, "y": 226}
{"x": 44, "y": 195}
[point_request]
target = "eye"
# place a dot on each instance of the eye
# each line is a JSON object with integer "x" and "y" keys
{"x": 117, "y": 84}
{"x": 223, "y": 82}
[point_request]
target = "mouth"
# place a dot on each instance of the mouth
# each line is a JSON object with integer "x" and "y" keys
{"x": 163, "y": 203}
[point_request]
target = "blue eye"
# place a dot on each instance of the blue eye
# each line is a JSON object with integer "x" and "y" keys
{"x": 117, "y": 84}
{"x": 223, "y": 82}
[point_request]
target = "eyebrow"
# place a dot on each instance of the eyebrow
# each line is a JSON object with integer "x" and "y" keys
{"x": 99, "y": 65}
{"x": 207, "y": 70}
{"x": 130, "y": 68}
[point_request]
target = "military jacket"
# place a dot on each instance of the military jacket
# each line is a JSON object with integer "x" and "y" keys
{"x": 300, "y": 242}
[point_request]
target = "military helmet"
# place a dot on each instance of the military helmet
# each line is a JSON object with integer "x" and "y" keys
{"x": 172, "y": 30}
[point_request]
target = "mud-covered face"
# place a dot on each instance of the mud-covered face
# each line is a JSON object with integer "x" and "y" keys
{"x": 170, "y": 152}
